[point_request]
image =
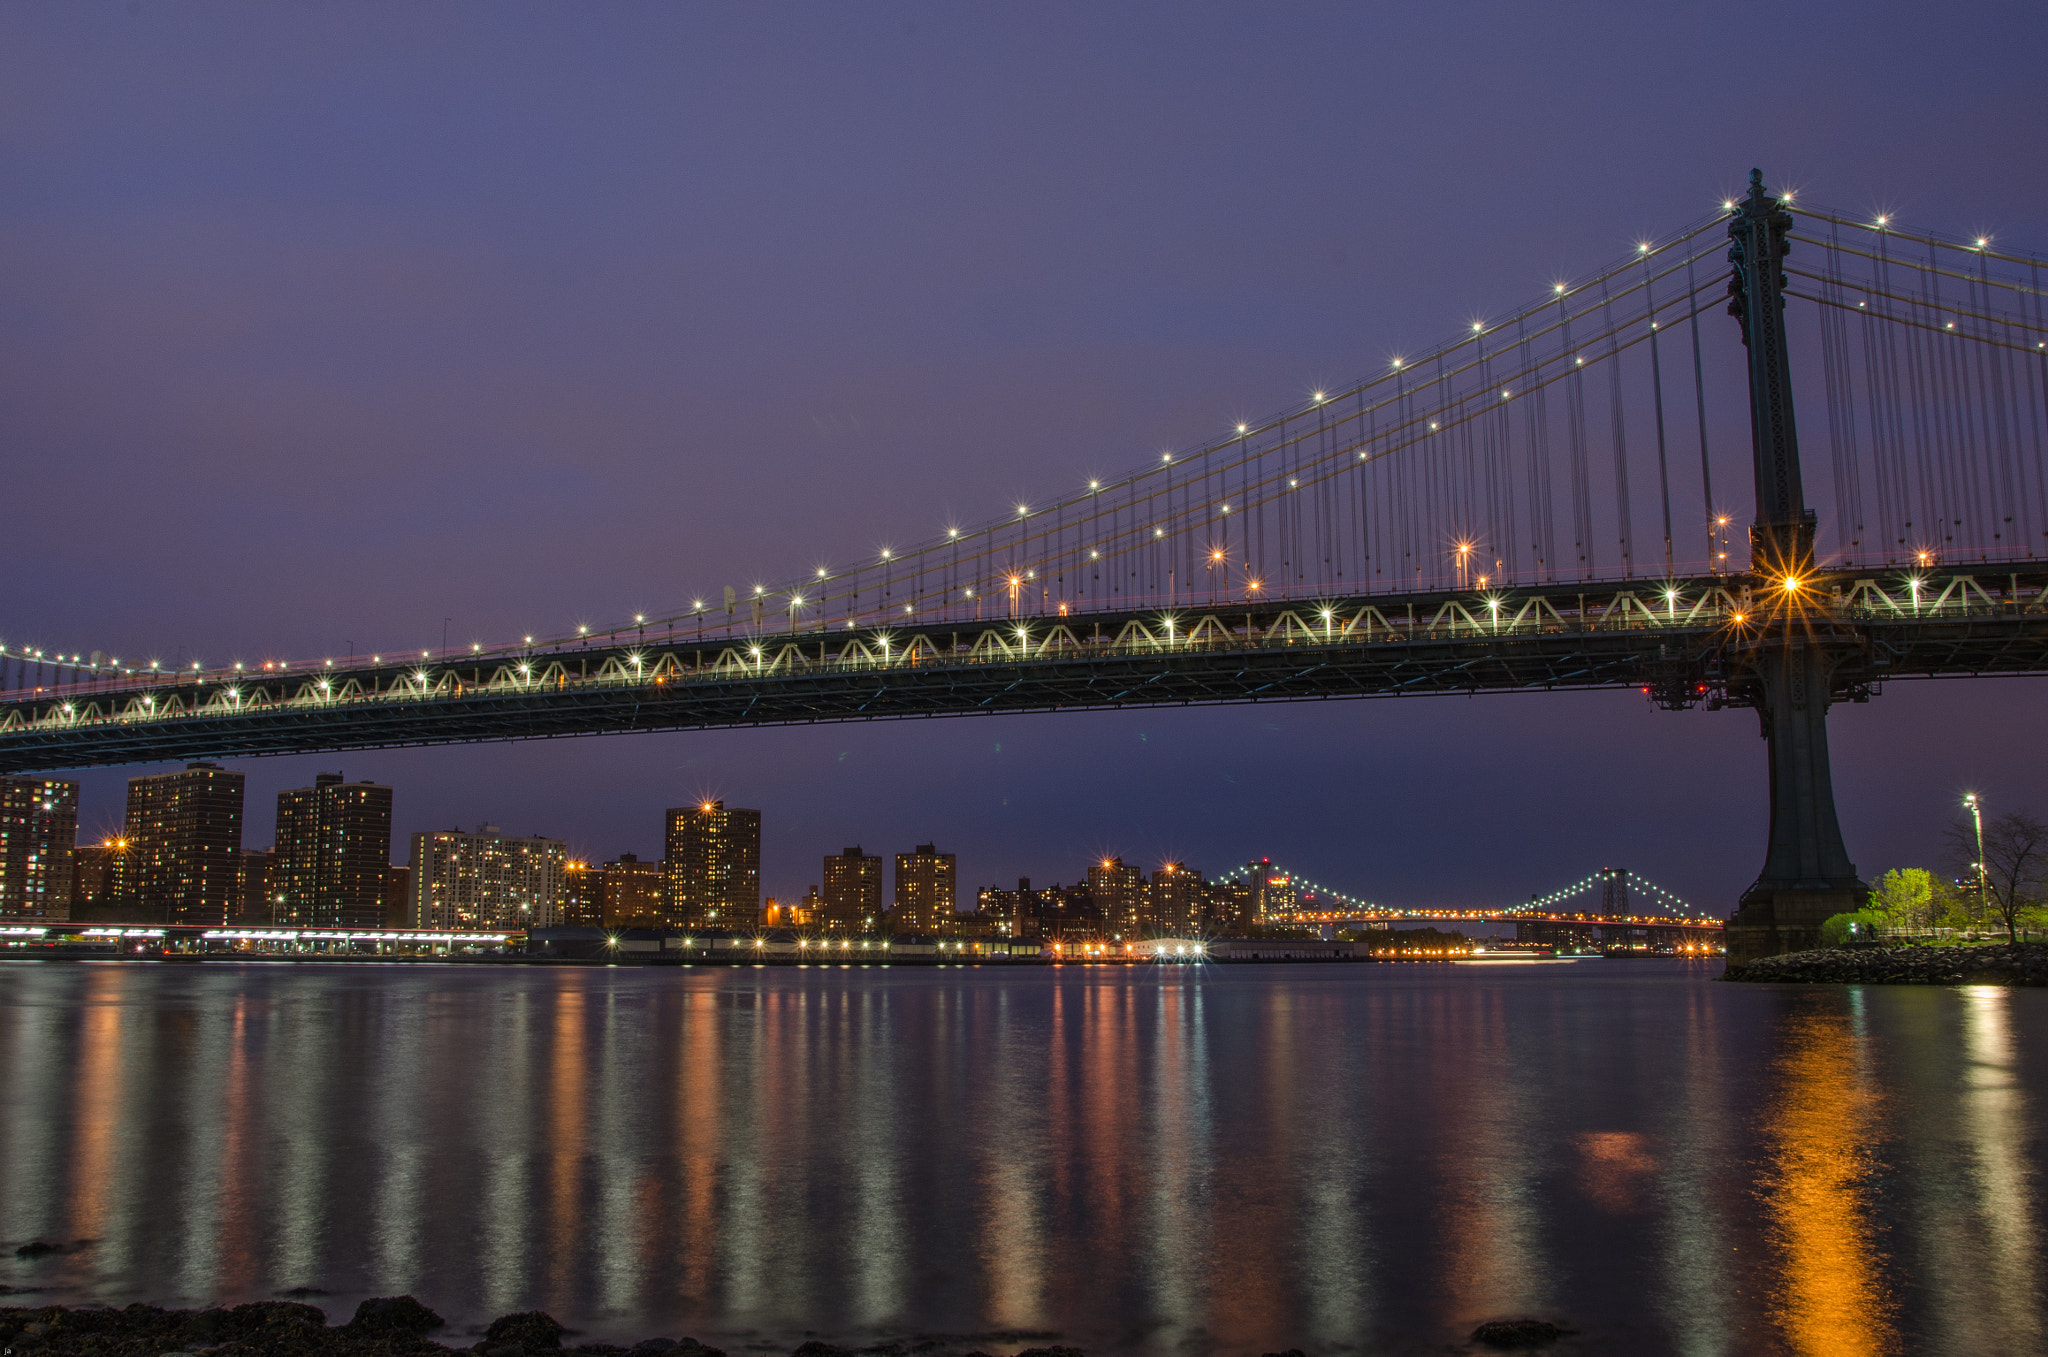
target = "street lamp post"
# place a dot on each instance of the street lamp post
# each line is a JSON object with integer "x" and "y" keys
{"x": 1977, "y": 819}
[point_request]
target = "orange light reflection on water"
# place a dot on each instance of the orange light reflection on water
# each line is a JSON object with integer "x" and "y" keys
{"x": 1830, "y": 1300}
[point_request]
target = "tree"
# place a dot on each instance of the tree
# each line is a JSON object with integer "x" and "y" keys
{"x": 1904, "y": 898}
{"x": 2014, "y": 868}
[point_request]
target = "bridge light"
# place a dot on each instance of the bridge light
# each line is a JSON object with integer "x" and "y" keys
{"x": 1478, "y": 327}
{"x": 1792, "y": 584}
{"x": 474, "y": 650}
{"x": 1095, "y": 485}
{"x": 1740, "y": 618}
{"x": 529, "y": 640}
{"x": 761, "y": 589}
{"x": 1983, "y": 241}
{"x": 1884, "y": 221}
{"x": 583, "y": 631}
{"x": 1320, "y": 398}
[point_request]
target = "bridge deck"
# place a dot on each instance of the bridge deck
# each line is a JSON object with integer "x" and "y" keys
{"x": 1685, "y": 642}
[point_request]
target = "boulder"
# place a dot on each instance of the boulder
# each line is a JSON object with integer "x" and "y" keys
{"x": 532, "y": 1331}
{"x": 394, "y": 1314}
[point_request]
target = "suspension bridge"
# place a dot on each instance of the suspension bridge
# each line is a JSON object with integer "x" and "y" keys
{"x": 1612, "y": 896}
{"x": 1528, "y": 506}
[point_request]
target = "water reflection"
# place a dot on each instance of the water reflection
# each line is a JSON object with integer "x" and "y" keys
{"x": 1218, "y": 1160}
{"x": 1995, "y": 1280}
{"x": 1831, "y": 1301}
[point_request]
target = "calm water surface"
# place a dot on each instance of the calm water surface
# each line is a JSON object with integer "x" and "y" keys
{"x": 1227, "y": 1159}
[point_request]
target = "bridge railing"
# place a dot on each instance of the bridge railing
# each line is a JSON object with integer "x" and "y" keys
{"x": 1737, "y": 609}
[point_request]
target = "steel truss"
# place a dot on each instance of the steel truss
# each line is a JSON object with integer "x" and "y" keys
{"x": 1684, "y": 642}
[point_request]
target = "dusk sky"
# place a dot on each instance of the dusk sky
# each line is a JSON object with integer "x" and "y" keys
{"x": 322, "y": 324}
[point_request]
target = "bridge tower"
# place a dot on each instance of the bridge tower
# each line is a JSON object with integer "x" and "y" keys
{"x": 1613, "y": 891}
{"x": 1787, "y": 670}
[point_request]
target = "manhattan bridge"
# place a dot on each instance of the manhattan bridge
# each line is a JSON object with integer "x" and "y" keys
{"x": 1493, "y": 515}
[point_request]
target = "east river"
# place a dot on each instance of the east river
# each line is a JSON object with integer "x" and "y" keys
{"x": 1228, "y": 1159}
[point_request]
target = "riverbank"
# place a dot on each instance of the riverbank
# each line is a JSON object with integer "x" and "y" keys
{"x": 2001, "y": 964}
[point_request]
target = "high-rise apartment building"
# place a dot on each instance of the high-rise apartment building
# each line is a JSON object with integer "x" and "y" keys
{"x": 635, "y": 893}
{"x": 1273, "y": 891}
{"x": 101, "y": 885}
{"x": 714, "y": 866}
{"x": 333, "y": 850}
{"x": 184, "y": 835}
{"x": 259, "y": 902}
{"x": 486, "y": 879}
{"x": 397, "y": 901}
{"x": 1176, "y": 902}
{"x": 926, "y": 891}
{"x": 581, "y": 900}
{"x": 38, "y": 830}
{"x": 1119, "y": 894}
{"x": 852, "y": 896}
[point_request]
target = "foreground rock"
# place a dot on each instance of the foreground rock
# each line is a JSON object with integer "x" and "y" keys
{"x": 389, "y": 1326}
{"x": 1508, "y": 1335}
{"x": 2026, "y": 964}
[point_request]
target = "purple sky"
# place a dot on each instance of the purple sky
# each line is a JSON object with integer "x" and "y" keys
{"x": 321, "y": 324}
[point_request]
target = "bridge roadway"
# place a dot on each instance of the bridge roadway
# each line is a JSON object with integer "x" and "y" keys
{"x": 1685, "y": 642}
{"x": 1352, "y": 918}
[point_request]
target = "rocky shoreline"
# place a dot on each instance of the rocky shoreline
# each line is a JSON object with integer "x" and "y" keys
{"x": 397, "y": 1326}
{"x": 2001, "y": 964}
{"x": 389, "y": 1326}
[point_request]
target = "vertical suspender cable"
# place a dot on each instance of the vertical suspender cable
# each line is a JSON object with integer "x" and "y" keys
{"x": 1618, "y": 427}
{"x": 1699, "y": 396}
{"x": 1657, "y": 391}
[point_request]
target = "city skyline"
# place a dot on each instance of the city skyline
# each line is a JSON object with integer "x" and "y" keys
{"x": 327, "y": 865}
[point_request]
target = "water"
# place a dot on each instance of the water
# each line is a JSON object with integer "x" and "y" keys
{"x": 1222, "y": 1159}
